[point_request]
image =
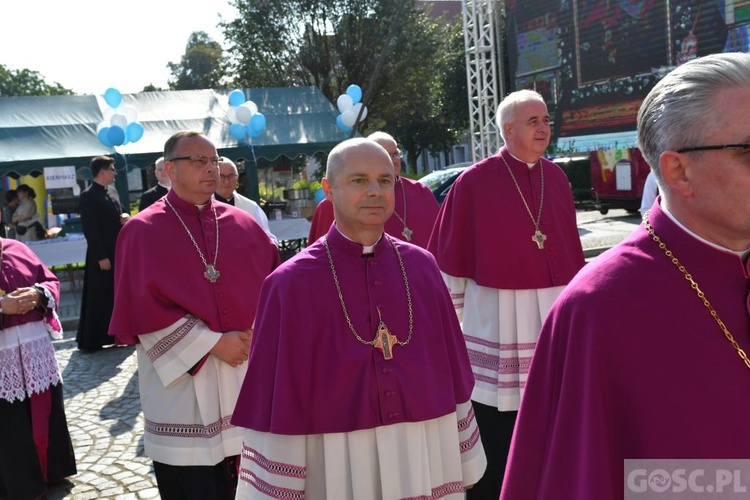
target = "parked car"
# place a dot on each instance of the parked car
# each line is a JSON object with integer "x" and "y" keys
{"x": 440, "y": 181}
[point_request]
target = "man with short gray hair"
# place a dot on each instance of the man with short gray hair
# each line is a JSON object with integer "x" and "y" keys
{"x": 643, "y": 356}
{"x": 507, "y": 242}
{"x": 161, "y": 188}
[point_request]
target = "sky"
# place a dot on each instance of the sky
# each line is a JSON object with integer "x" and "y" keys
{"x": 91, "y": 45}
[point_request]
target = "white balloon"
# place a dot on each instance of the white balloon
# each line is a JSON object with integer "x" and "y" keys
{"x": 348, "y": 117}
{"x": 108, "y": 114}
{"x": 232, "y": 115}
{"x": 251, "y": 106}
{"x": 119, "y": 120}
{"x": 243, "y": 114}
{"x": 130, "y": 113}
{"x": 356, "y": 109}
{"x": 344, "y": 103}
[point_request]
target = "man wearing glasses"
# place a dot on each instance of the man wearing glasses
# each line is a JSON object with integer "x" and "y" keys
{"x": 190, "y": 316}
{"x": 644, "y": 355}
{"x": 415, "y": 211}
{"x": 226, "y": 193}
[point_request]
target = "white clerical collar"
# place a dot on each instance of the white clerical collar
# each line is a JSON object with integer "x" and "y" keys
{"x": 365, "y": 249}
{"x": 162, "y": 185}
{"x": 201, "y": 207}
{"x": 518, "y": 159}
{"x": 740, "y": 253}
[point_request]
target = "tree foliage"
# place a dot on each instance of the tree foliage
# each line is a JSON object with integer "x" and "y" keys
{"x": 332, "y": 44}
{"x": 201, "y": 67}
{"x": 25, "y": 82}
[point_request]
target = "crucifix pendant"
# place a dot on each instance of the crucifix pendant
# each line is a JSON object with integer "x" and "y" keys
{"x": 539, "y": 238}
{"x": 407, "y": 233}
{"x": 212, "y": 274}
{"x": 385, "y": 340}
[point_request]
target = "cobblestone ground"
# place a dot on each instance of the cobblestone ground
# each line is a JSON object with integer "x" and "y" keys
{"x": 106, "y": 424}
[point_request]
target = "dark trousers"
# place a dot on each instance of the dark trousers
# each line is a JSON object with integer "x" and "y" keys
{"x": 198, "y": 482}
{"x": 496, "y": 430}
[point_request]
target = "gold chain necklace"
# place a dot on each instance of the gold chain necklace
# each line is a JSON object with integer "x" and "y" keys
{"x": 539, "y": 237}
{"x": 384, "y": 339}
{"x": 211, "y": 273}
{"x": 406, "y": 232}
{"x": 697, "y": 289}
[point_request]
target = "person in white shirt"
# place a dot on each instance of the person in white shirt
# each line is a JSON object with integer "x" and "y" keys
{"x": 226, "y": 192}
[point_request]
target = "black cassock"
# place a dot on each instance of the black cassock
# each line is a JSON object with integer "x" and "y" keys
{"x": 100, "y": 217}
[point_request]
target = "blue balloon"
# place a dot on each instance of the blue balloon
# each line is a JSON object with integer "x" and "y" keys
{"x": 320, "y": 195}
{"x": 257, "y": 122}
{"x": 254, "y": 134}
{"x": 237, "y": 130}
{"x": 116, "y": 135}
{"x": 134, "y": 131}
{"x": 236, "y": 97}
{"x": 113, "y": 97}
{"x": 103, "y": 137}
{"x": 341, "y": 125}
{"x": 354, "y": 92}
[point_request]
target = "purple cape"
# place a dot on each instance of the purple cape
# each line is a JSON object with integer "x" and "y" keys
{"x": 22, "y": 268}
{"x": 483, "y": 231}
{"x": 159, "y": 274}
{"x": 308, "y": 374}
{"x": 631, "y": 365}
{"x": 421, "y": 212}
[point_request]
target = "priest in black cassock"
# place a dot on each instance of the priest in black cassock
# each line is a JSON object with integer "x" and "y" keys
{"x": 162, "y": 187}
{"x": 101, "y": 217}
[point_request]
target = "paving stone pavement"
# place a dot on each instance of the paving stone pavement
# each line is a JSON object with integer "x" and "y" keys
{"x": 106, "y": 424}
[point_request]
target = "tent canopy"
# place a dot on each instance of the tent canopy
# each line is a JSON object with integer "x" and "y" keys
{"x": 38, "y": 132}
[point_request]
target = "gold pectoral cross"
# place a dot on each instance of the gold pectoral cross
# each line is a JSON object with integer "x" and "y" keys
{"x": 539, "y": 238}
{"x": 385, "y": 340}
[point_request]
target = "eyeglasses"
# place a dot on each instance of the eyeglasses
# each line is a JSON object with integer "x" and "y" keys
{"x": 397, "y": 154}
{"x": 718, "y": 146}
{"x": 230, "y": 177}
{"x": 198, "y": 160}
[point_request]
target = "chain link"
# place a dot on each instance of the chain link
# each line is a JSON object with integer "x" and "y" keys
{"x": 341, "y": 296}
{"x": 216, "y": 221}
{"x": 698, "y": 291}
{"x": 520, "y": 193}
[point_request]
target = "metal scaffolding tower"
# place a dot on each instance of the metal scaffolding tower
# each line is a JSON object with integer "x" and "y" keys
{"x": 483, "y": 73}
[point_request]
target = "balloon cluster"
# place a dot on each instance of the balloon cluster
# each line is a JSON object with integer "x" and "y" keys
{"x": 119, "y": 126}
{"x": 349, "y": 105}
{"x": 244, "y": 118}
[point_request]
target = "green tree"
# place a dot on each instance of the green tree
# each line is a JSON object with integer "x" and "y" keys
{"x": 201, "y": 67}
{"x": 25, "y": 82}
{"x": 334, "y": 43}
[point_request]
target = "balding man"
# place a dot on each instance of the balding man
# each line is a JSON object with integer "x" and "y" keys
{"x": 161, "y": 188}
{"x": 415, "y": 208}
{"x": 358, "y": 382}
{"x": 226, "y": 192}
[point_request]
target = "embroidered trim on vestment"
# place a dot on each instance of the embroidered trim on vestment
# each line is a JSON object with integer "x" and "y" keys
{"x": 269, "y": 489}
{"x": 441, "y": 491}
{"x": 278, "y": 468}
{"x": 465, "y": 422}
{"x": 171, "y": 339}
{"x": 500, "y": 347}
{"x": 470, "y": 443}
{"x": 189, "y": 430}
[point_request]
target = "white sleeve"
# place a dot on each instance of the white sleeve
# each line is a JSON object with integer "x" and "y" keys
{"x": 473, "y": 458}
{"x": 177, "y": 348}
{"x": 260, "y": 217}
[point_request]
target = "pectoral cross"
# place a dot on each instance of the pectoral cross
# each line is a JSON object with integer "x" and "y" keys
{"x": 407, "y": 233}
{"x": 212, "y": 274}
{"x": 539, "y": 238}
{"x": 385, "y": 341}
